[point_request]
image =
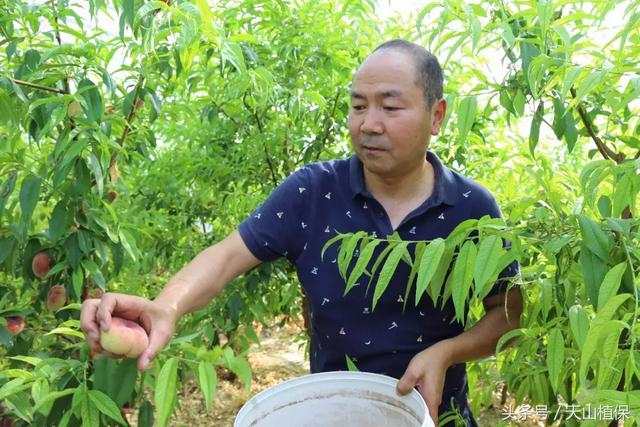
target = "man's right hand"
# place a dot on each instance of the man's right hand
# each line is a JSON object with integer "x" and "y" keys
{"x": 159, "y": 321}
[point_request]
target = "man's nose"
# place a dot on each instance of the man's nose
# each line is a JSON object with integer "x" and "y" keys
{"x": 372, "y": 123}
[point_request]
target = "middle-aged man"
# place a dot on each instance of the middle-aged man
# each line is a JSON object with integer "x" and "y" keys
{"x": 392, "y": 184}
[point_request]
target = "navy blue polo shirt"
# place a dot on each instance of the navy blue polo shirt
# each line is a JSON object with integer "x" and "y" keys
{"x": 320, "y": 199}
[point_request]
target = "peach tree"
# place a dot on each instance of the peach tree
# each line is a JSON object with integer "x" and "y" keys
{"x": 128, "y": 131}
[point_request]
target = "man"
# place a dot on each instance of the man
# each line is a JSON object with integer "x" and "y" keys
{"x": 393, "y": 184}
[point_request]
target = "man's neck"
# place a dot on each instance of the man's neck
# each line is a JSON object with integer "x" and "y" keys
{"x": 417, "y": 184}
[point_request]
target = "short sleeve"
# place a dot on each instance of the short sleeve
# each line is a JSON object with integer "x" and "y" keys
{"x": 511, "y": 271}
{"x": 276, "y": 228}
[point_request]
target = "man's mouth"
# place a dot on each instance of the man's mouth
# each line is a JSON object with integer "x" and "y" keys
{"x": 371, "y": 148}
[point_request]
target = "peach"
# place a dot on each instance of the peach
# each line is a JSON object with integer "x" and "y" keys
{"x": 96, "y": 293}
{"x": 74, "y": 109}
{"x": 15, "y": 325}
{"x": 124, "y": 338}
{"x": 41, "y": 265}
{"x": 57, "y": 297}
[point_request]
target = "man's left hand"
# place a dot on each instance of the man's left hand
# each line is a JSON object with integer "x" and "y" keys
{"x": 426, "y": 372}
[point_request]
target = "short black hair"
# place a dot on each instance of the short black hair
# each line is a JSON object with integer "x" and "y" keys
{"x": 428, "y": 70}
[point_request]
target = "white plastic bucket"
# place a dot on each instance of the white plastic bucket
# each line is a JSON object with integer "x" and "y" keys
{"x": 341, "y": 398}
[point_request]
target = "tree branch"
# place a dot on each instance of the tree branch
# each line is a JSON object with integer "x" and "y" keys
{"x": 129, "y": 120}
{"x": 39, "y": 87}
{"x": 58, "y": 38}
{"x": 327, "y": 125}
{"x": 603, "y": 148}
{"x": 274, "y": 178}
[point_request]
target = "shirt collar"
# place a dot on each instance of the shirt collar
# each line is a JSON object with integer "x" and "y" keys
{"x": 445, "y": 189}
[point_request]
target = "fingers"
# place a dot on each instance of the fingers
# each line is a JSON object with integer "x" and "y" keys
{"x": 433, "y": 411}
{"x": 407, "y": 382}
{"x": 106, "y": 307}
{"x": 89, "y": 325}
{"x": 157, "y": 340}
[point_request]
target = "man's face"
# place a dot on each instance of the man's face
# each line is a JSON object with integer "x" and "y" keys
{"x": 389, "y": 122}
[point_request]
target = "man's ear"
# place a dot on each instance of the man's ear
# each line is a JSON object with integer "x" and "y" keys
{"x": 438, "y": 111}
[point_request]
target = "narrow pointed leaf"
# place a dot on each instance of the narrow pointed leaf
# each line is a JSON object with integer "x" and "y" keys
{"x": 429, "y": 263}
{"x": 387, "y": 271}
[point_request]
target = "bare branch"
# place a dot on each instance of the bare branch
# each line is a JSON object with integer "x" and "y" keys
{"x": 603, "y": 148}
{"x": 39, "y": 87}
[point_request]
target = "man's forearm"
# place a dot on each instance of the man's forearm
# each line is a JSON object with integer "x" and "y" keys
{"x": 196, "y": 284}
{"x": 480, "y": 340}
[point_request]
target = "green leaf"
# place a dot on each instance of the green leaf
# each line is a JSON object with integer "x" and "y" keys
{"x": 518, "y": 102}
{"x": 579, "y": 322}
{"x": 59, "y": 222}
{"x": 208, "y": 381}
{"x": 545, "y": 13}
{"x": 570, "y": 78}
{"x": 610, "y": 308}
{"x": 116, "y": 378}
{"x": 594, "y": 237}
{"x": 363, "y": 261}
{"x": 466, "y": 116}
{"x": 331, "y": 242}
{"x": 486, "y": 266}
{"x": 91, "y": 100}
{"x": 346, "y": 252}
{"x": 88, "y": 411}
{"x": 570, "y": 131}
{"x": 231, "y": 52}
{"x": 534, "y": 133}
{"x": 622, "y": 195}
{"x": 377, "y": 263}
{"x": 165, "y": 391}
{"x": 593, "y": 342}
{"x": 95, "y": 272}
{"x": 147, "y": 9}
{"x": 415, "y": 265}
{"x": 14, "y": 386}
{"x": 528, "y": 52}
{"x": 429, "y": 263}
{"x": 508, "y": 336}
{"x": 106, "y": 406}
{"x": 350, "y": 365}
{"x": 73, "y": 151}
{"x": 240, "y": 366}
{"x": 145, "y": 414}
{"x": 29, "y": 194}
{"x": 77, "y": 280}
{"x": 7, "y": 189}
{"x": 437, "y": 282}
{"x": 555, "y": 357}
{"x": 96, "y": 170}
{"x": 474, "y": 25}
{"x": 50, "y": 397}
{"x": 593, "y": 271}
{"x": 610, "y": 284}
{"x": 587, "y": 85}
{"x": 607, "y": 353}
{"x": 462, "y": 277}
{"x": 129, "y": 244}
{"x": 65, "y": 331}
{"x": 388, "y": 270}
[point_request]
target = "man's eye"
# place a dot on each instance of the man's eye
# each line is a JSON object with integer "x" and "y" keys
{"x": 388, "y": 108}
{"x": 358, "y": 107}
